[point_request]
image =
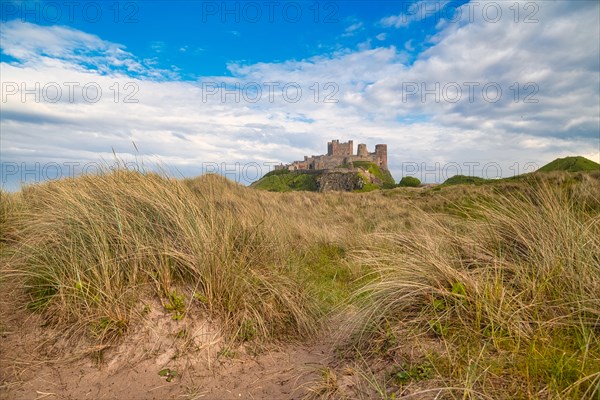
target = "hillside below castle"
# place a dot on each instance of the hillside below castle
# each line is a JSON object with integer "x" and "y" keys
{"x": 338, "y": 170}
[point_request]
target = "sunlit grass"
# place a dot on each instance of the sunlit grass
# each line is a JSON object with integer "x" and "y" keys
{"x": 489, "y": 291}
{"x": 512, "y": 292}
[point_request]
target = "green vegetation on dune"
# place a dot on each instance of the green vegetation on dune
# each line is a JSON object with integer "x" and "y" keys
{"x": 328, "y": 274}
{"x": 286, "y": 181}
{"x": 567, "y": 164}
{"x": 571, "y": 164}
{"x": 468, "y": 180}
{"x": 368, "y": 187}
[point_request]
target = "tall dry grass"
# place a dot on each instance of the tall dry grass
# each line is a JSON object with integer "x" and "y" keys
{"x": 10, "y": 209}
{"x": 498, "y": 286}
{"x": 90, "y": 248}
{"x": 511, "y": 294}
{"x": 89, "y": 251}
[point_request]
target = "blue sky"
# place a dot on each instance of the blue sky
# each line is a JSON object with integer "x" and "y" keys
{"x": 199, "y": 38}
{"x": 499, "y": 87}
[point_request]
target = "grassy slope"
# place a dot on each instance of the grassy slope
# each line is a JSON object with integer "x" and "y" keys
{"x": 286, "y": 181}
{"x": 571, "y": 164}
{"x": 491, "y": 290}
{"x": 462, "y": 179}
{"x": 383, "y": 175}
{"x": 567, "y": 164}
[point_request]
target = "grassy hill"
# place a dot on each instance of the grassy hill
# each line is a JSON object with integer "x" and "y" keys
{"x": 571, "y": 164}
{"x": 567, "y": 164}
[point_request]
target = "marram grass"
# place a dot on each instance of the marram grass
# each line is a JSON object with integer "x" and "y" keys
{"x": 89, "y": 247}
{"x": 512, "y": 293}
{"x": 494, "y": 289}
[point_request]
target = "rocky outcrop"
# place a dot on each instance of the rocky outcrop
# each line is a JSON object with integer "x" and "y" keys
{"x": 345, "y": 180}
{"x": 365, "y": 176}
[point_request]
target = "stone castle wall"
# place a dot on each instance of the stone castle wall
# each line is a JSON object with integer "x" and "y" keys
{"x": 340, "y": 154}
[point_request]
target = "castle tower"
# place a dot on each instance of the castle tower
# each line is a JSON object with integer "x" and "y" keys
{"x": 381, "y": 154}
{"x": 332, "y": 146}
{"x": 349, "y": 150}
{"x": 341, "y": 154}
{"x": 362, "y": 150}
{"x": 335, "y": 148}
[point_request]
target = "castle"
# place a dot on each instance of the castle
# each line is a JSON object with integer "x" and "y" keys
{"x": 340, "y": 154}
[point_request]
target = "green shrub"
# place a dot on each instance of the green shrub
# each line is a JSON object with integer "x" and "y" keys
{"x": 409, "y": 181}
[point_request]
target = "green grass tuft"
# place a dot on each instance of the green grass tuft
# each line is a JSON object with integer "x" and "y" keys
{"x": 409, "y": 181}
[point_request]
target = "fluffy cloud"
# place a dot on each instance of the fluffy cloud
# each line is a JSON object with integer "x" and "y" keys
{"x": 375, "y": 97}
{"x": 38, "y": 46}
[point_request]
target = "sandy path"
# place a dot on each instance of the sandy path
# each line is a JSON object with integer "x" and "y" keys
{"x": 28, "y": 370}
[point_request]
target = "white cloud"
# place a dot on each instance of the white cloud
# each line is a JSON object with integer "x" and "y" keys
{"x": 37, "y": 46}
{"x": 171, "y": 120}
{"x": 353, "y": 29}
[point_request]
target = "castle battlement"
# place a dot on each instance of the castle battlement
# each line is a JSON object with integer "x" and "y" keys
{"x": 340, "y": 154}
